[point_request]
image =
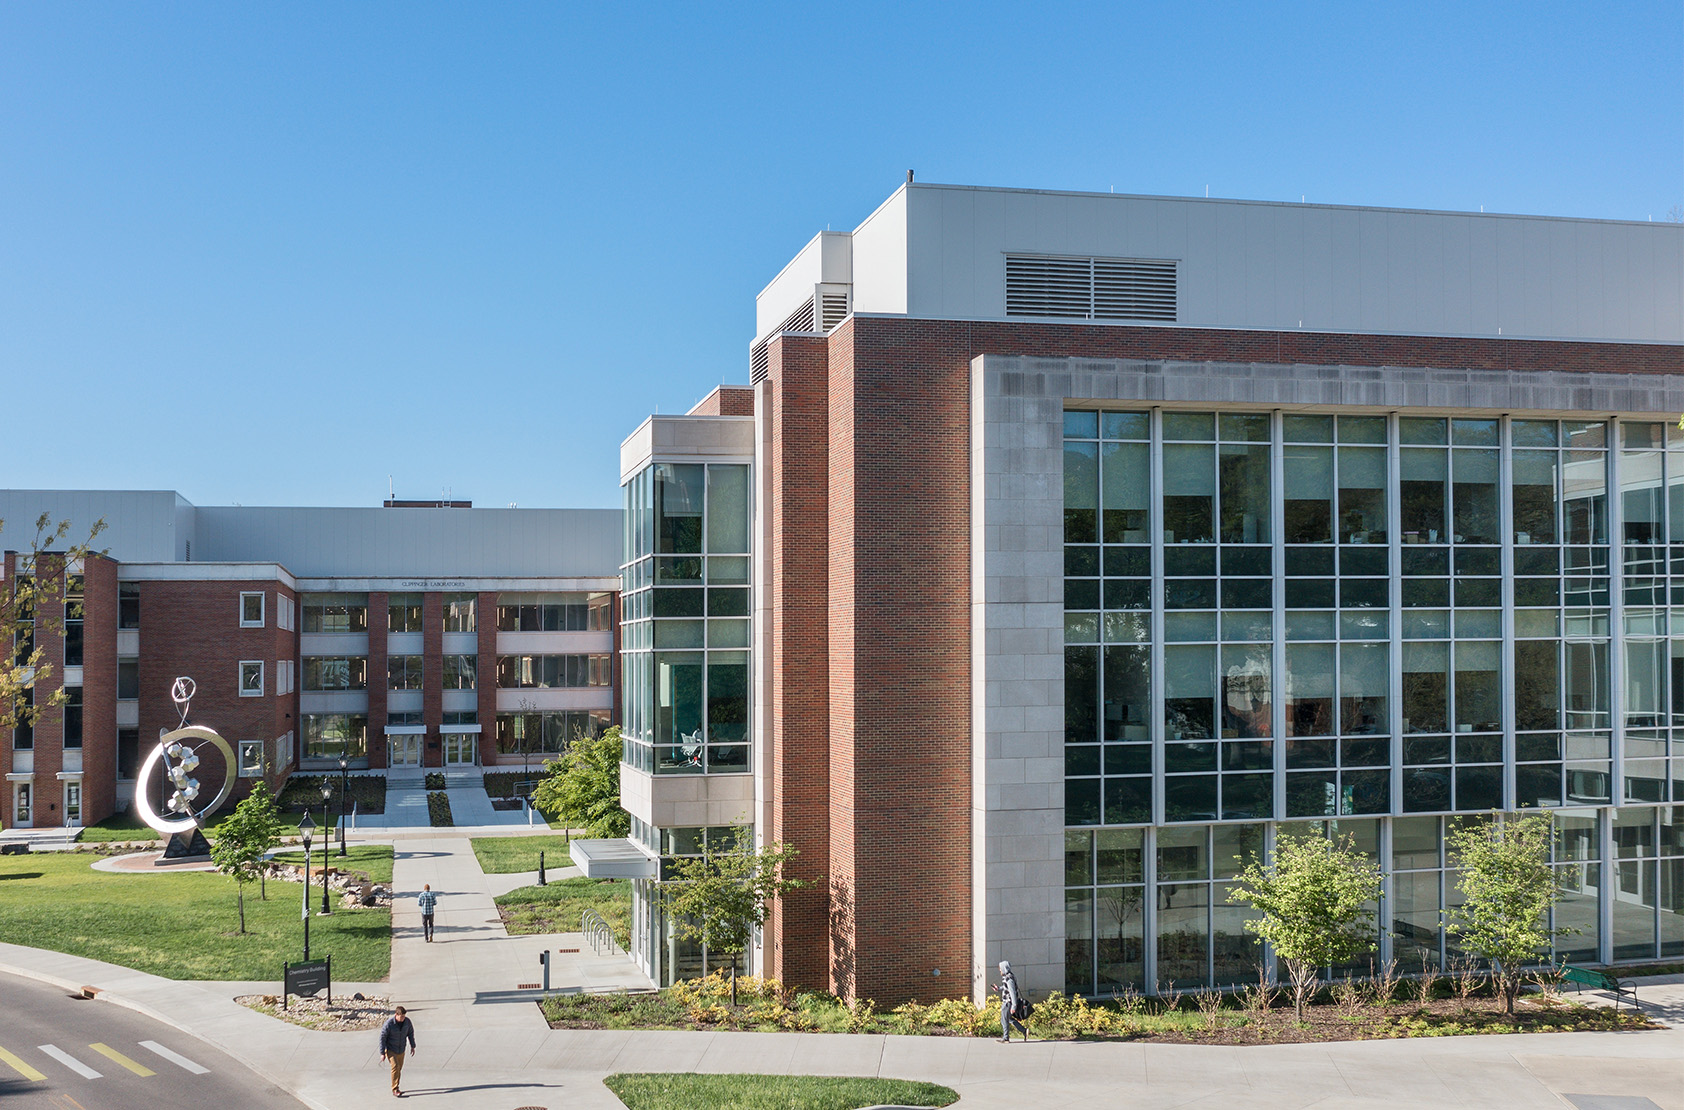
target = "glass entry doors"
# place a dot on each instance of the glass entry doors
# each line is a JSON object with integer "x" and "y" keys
{"x": 461, "y": 749}
{"x": 23, "y": 809}
{"x": 405, "y": 750}
{"x": 72, "y": 805}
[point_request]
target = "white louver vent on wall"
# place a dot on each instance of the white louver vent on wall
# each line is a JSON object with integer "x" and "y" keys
{"x": 828, "y": 307}
{"x": 1091, "y": 288}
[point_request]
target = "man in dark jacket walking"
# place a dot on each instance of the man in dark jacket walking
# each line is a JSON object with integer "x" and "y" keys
{"x": 393, "y": 1034}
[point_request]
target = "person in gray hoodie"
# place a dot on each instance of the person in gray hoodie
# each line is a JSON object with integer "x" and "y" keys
{"x": 1009, "y": 997}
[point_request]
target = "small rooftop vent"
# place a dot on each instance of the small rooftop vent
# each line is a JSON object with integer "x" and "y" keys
{"x": 819, "y": 314}
{"x": 1091, "y": 288}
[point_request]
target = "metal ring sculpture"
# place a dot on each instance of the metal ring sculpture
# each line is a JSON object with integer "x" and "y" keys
{"x": 179, "y": 762}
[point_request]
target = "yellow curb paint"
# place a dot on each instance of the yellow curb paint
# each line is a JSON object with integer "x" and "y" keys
{"x": 117, "y": 1057}
{"x": 20, "y": 1067}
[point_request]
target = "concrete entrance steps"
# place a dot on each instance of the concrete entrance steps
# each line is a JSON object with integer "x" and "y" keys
{"x": 42, "y": 840}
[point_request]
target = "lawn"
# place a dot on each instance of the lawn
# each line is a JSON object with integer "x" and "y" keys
{"x": 681, "y": 1091}
{"x": 556, "y": 908}
{"x": 374, "y": 860}
{"x": 121, "y": 827}
{"x": 182, "y": 925}
{"x": 511, "y": 855}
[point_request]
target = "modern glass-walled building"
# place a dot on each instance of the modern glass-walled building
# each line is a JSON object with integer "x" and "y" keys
{"x": 1363, "y": 622}
{"x": 1098, "y": 540}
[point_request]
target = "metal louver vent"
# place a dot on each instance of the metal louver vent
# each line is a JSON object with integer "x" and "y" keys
{"x": 801, "y": 319}
{"x": 1091, "y": 288}
{"x": 833, "y": 306}
{"x": 757, "y": 363}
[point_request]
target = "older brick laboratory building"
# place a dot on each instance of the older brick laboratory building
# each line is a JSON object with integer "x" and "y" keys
{"x": 1066, "y": 547}
{"x": 400, "y": 638}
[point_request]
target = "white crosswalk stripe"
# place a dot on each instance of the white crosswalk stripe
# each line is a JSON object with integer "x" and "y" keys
{"x": 175, "y": 1058}
{"x": 69, "y": 1061}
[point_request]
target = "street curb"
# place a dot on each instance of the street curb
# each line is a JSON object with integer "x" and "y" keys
{"x": 156, "y": 1015}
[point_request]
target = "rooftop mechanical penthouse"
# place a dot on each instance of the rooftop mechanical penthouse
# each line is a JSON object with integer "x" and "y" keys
{"x": 1093, "y": 541}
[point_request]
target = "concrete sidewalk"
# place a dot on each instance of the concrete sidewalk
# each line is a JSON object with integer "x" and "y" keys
{"x": 479, "y": 1050}
{"x": 494, "y": 1068}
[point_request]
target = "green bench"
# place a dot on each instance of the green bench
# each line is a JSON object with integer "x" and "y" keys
{"x": 1597, "y": 980}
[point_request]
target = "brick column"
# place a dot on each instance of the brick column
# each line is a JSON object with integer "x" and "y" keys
{"x": 99, "y": 689}
{"x": 432, "y": 676}
{"x": 378, "y": 757}
{"x": 794, "y": 392}
{"x": 486, "y": 680}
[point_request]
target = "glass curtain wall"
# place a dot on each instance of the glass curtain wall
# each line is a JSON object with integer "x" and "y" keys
{"x": 1339, "y": 616}
{"x": 686, "y": 619}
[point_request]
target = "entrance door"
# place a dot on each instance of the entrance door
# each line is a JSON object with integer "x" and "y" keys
{"x": 460, "y": 749}
{"x": 72, "y": 805}
{"x": 23, "y": 808}
{"x": 405, "y": 750}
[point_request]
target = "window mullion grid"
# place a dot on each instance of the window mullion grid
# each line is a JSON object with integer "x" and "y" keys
{"x": 1506, "y": 664}
{"x": 1155, "y": 508}
{"x": 1616, "y": 618}
{"x": 1394, "y": 677}
{"x": 1277, "y": 603}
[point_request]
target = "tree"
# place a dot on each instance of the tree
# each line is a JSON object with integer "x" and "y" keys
{"x": 720, "y": 898}
{"x": 30, "y": 612}
{"x": 1507, "y": 887}
{"x": 582, "y": 788}
{"x": 1313, "y": 903}
{"x": 238, "y": 849}
{"x": 262, "y": 827}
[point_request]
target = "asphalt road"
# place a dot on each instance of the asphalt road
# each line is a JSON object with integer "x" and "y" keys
{"x": 61, "y": 1053}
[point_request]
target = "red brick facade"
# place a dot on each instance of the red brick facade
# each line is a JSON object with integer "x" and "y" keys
{"x": 868, "y": 492}
{"x": 727, "y": 400}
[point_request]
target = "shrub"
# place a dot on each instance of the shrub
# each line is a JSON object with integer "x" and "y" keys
{"x": 438, "y": 809}
{"x": 435, "y": 780}
{"x": 963, "y": 1016}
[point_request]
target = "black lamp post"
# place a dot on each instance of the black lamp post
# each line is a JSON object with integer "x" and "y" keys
{"x": 305, "y": 828}
{"x": 344, "y": 784}
{"x": 327, "y": 792}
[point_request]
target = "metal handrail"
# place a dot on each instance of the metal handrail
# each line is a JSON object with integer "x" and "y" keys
{"x": 597, "y": 932}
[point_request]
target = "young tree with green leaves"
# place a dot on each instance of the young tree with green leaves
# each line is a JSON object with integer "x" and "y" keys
{"x": 720, "y": 898}
{"x": 262, "y": 827}
{"x": 238, "y": 849}
{"x": 582, "y": 788}
{"x": 1507, "y": 887}
{"x": 1314, "y": 906}
{"x": 32, "y": 608}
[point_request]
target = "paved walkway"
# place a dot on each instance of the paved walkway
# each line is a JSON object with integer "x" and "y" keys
{"x": 477, "y": 1050}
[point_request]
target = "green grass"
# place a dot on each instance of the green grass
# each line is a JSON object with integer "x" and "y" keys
{"x": 182, "y": 925}
{"x": 375, "y": 860}
{"x": 556, "y": 908}
{"x": 122, "y": 826}
{"x": 646, "y": 1091}
{"x": 511, "y": 855}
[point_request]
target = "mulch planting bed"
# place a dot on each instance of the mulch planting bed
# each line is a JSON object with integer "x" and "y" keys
{"x": 1443, "y": 1017}
{"x": 345, "y": 1015}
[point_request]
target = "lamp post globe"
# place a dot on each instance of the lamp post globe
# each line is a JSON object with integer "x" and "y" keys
{"x": 327, "y": 792}
{"x": 305, "y": 828}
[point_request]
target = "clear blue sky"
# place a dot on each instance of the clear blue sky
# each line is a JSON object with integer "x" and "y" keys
{"x": 270, "y": 254}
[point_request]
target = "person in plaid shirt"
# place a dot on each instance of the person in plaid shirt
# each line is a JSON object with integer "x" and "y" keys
{"x": 428, "y": 901}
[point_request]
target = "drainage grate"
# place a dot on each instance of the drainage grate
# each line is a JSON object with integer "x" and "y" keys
{"x": 527, "y": 986}
{"x": 566, "y": 949}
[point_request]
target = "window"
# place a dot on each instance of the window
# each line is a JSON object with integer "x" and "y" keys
{"x": 331, "y": 735}
{"x": 460, "y": 717}
{"x": 285, "y": 676}
{"x": 519, "y": 672}
{"x": 461, "y": 672}
{"x": 461, "y": 613}
{"x": 571, "y": 612}
{"x": 128, "y": 605}
{"x": 329, "y": 673}
{"x": 73, "y": 717}
{"x": 286, "y": 611}
{"x": 128, "y": 753}
{"x": 403, "y": 613}
{"x": 251, "y": 759}
{"x": 23, "y": 734}
{"x": 251, "y": 610}
{"x": 335, "y": 613}
{"x": 73, "y": 620}
{"x": 546, "y": 733}
{"x": 251, "y": 678}
{"x": 128, "y": 679}
{"x": 403, "y": 672}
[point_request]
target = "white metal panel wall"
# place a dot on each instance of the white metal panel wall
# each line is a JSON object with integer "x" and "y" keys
{"x": 826, "y": 258}
{"x": 1248, "y": 264}
{"x": 140, "y": 525}
{"x": 880, "y": 258}
{"x": 340, "y": 542}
